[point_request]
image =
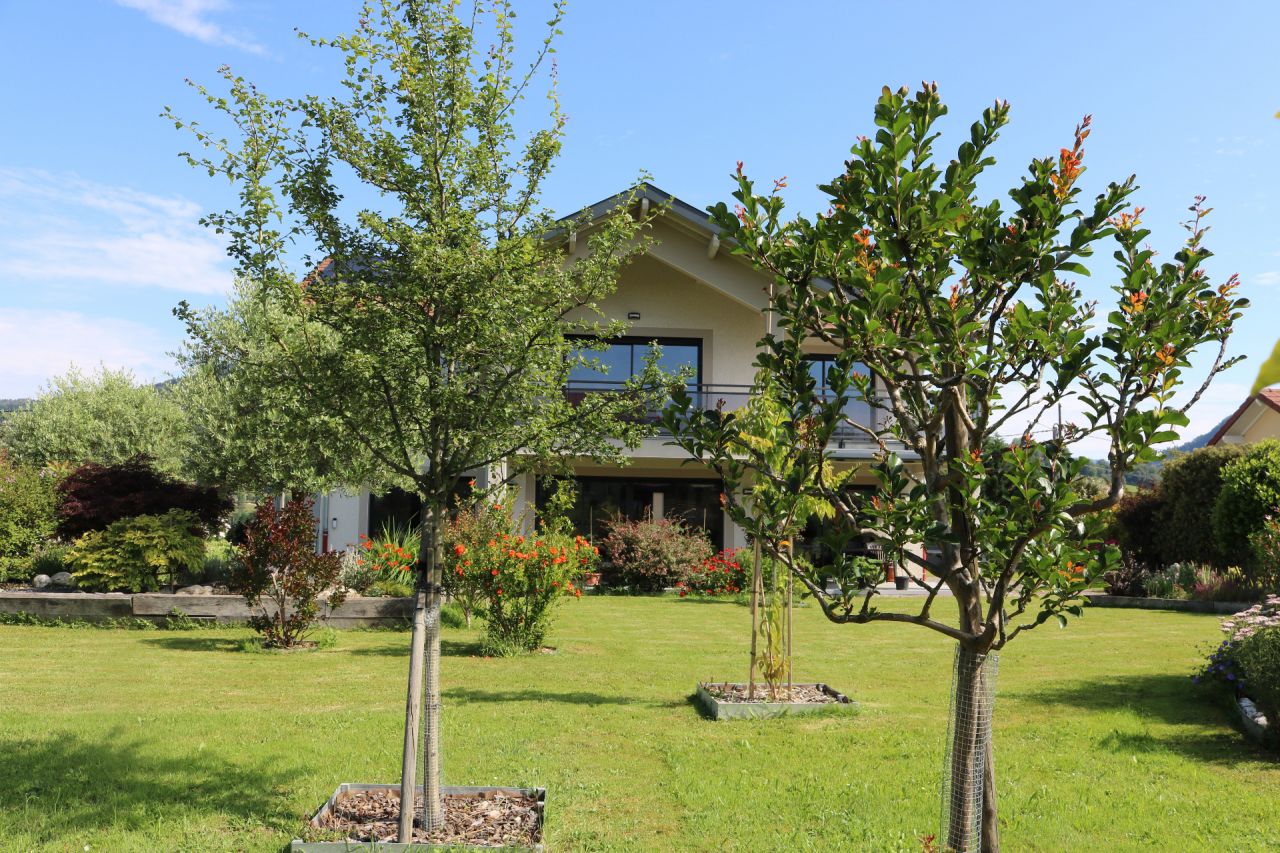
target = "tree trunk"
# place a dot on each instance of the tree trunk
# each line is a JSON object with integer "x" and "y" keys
{"x": 755, "y": 613}
{"x": 433, "y": 794}
{"x": 970, "y": 808}
{"x": 413, "y": 709}
{"x": 990, "y": 810}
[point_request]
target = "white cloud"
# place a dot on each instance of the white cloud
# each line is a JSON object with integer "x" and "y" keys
{"x": 1267, "y": 279}
{"x": 36, "y": 345}
{"x": 63, "y": 228}
{"x": 191, "y": 18}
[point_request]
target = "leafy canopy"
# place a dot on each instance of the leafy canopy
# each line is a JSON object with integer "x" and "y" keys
{"x": 967, "y": 320}
{"x": 106, "y": 417}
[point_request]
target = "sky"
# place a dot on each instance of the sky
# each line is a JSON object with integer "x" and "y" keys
{"x": 99, "y": 217}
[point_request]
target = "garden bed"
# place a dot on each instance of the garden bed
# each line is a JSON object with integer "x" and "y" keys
{"x": 728, "y": 701}
{"x": 157, "y": 607}
{"x": 1177, "y": 604}
{"x": 367, "y": 817}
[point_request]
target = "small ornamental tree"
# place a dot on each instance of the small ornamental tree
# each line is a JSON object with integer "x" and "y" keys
{"x": 280, "y": 572}
{"x": 425, "y": 337}
{"x": 956, "y": 319}
{"x": 94, "y": 496}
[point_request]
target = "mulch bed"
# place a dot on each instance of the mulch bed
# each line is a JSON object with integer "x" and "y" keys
{"x": 488, "y": 819}
{"x": 800, "y": 693}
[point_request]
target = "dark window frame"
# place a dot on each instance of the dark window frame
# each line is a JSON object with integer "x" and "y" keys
{"x": 644, "y": 341}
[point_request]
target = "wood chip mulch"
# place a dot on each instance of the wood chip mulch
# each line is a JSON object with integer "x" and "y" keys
{"x": 800, "y": 693}
{"x": 489, "y": 819}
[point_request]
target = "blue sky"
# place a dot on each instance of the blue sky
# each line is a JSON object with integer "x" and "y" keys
{"x": 98, "y": 216}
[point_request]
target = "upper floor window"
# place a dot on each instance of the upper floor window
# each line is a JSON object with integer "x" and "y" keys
{"x": 823, "y": 368}
{"x": 624, "y": 358}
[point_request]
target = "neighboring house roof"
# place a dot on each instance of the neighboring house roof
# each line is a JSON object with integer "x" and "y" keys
{"x": 1267, "y": 398}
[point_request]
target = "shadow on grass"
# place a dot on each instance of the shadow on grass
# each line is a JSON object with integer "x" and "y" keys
{"x": 1170, "y": 699}
{"x": 465, "y": 694}
{"x": 68, "y": 785}
{"x": 196, "y": 644}
{"x": 448, "y": 648}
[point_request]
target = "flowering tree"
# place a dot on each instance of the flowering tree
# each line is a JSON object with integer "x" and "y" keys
{"x": 401, "y": 315}
{"x": 954, "y": 319}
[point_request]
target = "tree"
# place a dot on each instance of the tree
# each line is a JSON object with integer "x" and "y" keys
{"x": 94, "y": 496}
{"x": 431, "y": 342}
{"x": 953, "y": 319}
{"x": 1189, "y": 485}
{"x": 105, "y": 417}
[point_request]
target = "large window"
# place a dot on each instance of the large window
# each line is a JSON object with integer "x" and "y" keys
{"x": 696, "y": 502}
{"x": 823, "y": 368}
{"x": 624, "y": 358}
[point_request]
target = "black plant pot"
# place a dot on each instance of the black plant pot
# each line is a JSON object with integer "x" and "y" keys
{"x": 902, "y": 582}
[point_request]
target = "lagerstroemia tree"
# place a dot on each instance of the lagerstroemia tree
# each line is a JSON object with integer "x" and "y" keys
{"x": 431, "y": 341}
{"x": 956, "y": 320}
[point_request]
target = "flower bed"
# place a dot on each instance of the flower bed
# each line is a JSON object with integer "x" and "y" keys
{"x": 1248, "y": 664}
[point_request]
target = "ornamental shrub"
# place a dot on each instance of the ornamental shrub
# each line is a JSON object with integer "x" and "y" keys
{"x": 527, "y": 576}
{"x": 649, "y": 555}
{"x": 1189, "y": 486}
{"x": 94, "y": 496}
{"x": 1250, "y": 492}
{"x": 469, "y": 557}
{"x": 1258, "y": 661}
{"x": 27, "y": 519}
{"x": 726, "y": 573}
{"x": 1264, "y": 555}
{"x": 1137, "y": 527}
{"x": 138, "y": 554}
{"x": 1224, "y": 665}
{"x": 280, "y": 572}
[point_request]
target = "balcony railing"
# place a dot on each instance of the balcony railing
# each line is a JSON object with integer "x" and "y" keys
{"x": 726, "y": 398}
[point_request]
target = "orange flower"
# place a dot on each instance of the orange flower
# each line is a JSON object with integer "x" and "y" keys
{"x": 459, "y": 549}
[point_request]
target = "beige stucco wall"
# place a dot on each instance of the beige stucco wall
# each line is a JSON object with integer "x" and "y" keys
{"x": 672, "y": 302}
{"x": 1266, "y": 425}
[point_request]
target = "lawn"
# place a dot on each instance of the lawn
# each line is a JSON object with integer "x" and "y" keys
{"x": 157, "y": 740}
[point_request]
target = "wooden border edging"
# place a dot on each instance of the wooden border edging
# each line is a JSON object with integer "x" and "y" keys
{"x": 156, "y": 607}
{"x": 1184, "y": 606}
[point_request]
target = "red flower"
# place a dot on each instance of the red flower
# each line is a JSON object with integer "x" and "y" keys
{"x": 459, "y": 549}
{"x": 493, "y": 572}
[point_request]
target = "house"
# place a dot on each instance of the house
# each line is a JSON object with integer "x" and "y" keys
{"x": 1257, "y": 418}
{"x": 705, "y": 308}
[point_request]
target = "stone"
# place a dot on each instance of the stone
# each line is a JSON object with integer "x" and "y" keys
{"x": 64, "y": 579}
{"x": 195, "y": 589}
{"x": 41, "y": 581}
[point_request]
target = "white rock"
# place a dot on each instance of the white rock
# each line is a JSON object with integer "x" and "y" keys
{"x": 41, "y": 581}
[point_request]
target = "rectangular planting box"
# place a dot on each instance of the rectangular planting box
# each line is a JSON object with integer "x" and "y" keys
{"x": 720, "y": 709}
{"x": 300, "y": 846}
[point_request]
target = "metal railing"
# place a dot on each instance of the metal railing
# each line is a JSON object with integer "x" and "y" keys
{"x": 727, "y": 398}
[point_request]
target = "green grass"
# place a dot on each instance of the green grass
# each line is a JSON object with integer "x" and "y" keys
{"x": 127, "y": 740}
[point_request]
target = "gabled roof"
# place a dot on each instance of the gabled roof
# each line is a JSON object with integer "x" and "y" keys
{"x": 1269, "y": 397}
{"x": 656, "y": 196}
